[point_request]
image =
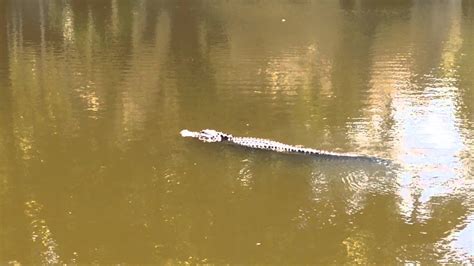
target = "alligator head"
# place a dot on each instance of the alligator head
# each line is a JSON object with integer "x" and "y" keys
{"x": 206, "y": 135}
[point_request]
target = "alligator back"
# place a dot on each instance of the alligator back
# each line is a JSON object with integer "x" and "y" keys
{"x": 265, "y": 144}
{"x": 210, "y": 135}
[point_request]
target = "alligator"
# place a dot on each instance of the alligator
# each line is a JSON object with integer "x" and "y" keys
{"x": 211, "y": 135}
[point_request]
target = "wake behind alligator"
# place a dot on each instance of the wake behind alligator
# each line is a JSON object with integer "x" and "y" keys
{"x": 210, "y": 135}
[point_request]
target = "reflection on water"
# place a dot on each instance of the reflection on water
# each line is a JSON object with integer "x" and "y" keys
{"x": 41, "y": 234}
{"x": 94, "y": 93}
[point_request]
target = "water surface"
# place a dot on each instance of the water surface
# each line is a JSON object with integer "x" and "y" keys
{"x": 93, "y": 95}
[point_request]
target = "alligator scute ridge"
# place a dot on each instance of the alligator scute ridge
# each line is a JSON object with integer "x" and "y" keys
{"x": 211, "y": 135}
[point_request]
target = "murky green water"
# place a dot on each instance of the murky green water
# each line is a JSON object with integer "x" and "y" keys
{"x": 94, "y": 93}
